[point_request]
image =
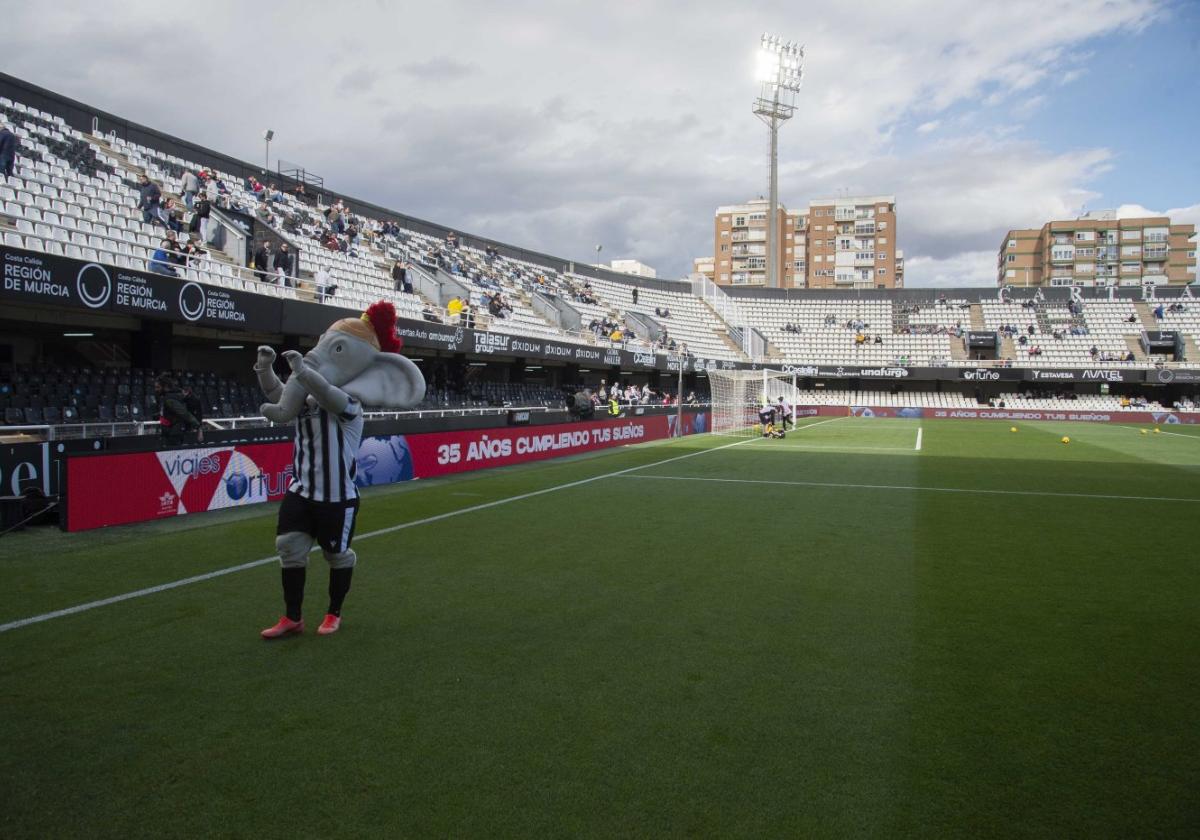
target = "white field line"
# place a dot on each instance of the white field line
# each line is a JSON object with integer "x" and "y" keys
{"x": 844, "y": 448}
{"x": 910, "y": 487}
{"x": 918, "y": 446}
{"x": 1161, "y": 432}
{"x": 175, "y": 584}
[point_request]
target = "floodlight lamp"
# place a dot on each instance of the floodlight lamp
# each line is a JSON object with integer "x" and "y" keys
{"x": 268, "y": 135}
{"x": 768, "y": 66}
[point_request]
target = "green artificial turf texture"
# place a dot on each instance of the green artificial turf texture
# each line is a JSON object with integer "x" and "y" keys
{"x": 646, "y": 656}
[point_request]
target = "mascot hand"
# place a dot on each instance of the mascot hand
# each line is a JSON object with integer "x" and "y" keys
{"x": 266, "y": 358}
{"x": 294, "y": 359}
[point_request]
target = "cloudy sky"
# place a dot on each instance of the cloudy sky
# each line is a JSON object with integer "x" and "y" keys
{"x": 560, "y": 126}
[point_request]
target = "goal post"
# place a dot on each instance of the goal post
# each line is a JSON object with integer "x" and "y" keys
{"x": 738, "y": 395}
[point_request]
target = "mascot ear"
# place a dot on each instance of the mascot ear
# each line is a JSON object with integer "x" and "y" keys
{"x": 389, "y": 382}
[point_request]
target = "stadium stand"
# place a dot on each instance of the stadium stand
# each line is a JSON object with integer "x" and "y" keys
{"x": 77, "y": 195}
{"x": 853, "y": 331}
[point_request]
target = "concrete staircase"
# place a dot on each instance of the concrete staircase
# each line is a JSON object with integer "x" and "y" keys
{"x": 1191, "y": 349}
{"x": 723, "y": 334}
{"x": 958, "y": 348}
{"x": 1135, "y": 347}
{"x": 1008, "y": 349}
{"x": 977, "y": 322}
{"x": 1146, "y": 314}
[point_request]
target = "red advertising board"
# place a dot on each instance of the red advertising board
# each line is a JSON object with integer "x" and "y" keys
{"x": 119, "y": 488}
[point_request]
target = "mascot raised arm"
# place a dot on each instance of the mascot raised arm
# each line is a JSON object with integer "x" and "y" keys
{"x": 356, "y": 363}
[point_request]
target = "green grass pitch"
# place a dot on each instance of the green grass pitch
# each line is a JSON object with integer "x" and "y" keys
{"x": 831, "y": 635}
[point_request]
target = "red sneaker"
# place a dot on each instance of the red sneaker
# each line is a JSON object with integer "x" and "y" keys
{"x": 329, "y": 625}
{"x": 284, "y": 627}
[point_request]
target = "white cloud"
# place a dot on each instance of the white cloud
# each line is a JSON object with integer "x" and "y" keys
{"x": 1178, "y": 215}
{"x": 970, "y": 268}
{"x": 555, "y": 126}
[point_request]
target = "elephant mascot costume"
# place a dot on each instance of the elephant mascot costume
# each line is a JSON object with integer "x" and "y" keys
{"x": 356, "y": 363}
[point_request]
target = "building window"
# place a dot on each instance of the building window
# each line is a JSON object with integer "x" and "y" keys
{"x": 1012, "y": 243}
{"x": 882, "y": 255}
{"x": 724, "y": 247}
{"x": 883, "y": 240}
{"x": 882, "y": 225}
{"x": 739, "y": 221}
{"x": 1012, "y": 272}
{"x": 882, "y": 271}
{"x": 1012, "y": 258}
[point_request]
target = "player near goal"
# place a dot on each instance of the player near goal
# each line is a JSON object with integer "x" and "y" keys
{"x": 766, "y": 419}
{"x": 739, "y": 398}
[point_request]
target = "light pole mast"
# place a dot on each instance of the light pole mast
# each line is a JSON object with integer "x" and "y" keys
{"x": 780, "y": 74}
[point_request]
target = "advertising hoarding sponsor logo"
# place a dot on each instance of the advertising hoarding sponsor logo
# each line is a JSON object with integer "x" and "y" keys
{"x": 801, "y": 370}
{"x": 981, "y": 375}
{"x": 1105, "y": 375}
{"x": 93, "y": 285}
{"x": 646, "y": 359}
{"x": 489, "y": 343}
{"x": 1057, "y": 375}
{"x": 885, "y": 373}
{"x": 191, "y": 301}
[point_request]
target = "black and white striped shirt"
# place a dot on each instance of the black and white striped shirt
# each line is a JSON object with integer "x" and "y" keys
{"x": 325, "y": 447}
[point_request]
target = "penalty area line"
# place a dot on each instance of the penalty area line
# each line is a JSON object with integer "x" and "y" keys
{"x": 241, "y": 567}
{"x": 913, "y": 487}
{"x": 918, "y": 446}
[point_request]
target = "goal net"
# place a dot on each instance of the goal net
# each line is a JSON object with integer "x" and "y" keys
{"x": 738, "y": 396}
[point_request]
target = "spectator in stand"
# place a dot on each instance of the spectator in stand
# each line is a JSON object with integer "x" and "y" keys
{"x": 192, "y": 250}
{"x": 634, "y": 294}
{"x": 1158, "y": 312}
{"x": 201, "y": 210}
{"x": 161, "y": 262}
{"x": 174, "y": 250}
{"x": 400, "y": 277}
{"x": 277, "y": 195}
{"x": 283, "y": 265}
{"x": 454, "y": 307}
{"x": 174, "y": 417}
{"x": 691, "y": 398}
{"x": 467, "y": 315}
{"x": 8, "y": 151}
{"x": 451, "y": 239}
{"x": 149, "y": 201}
{"x": 330, "y": 242}
{"x": 190, "y": 185}
{"x": 262, "y": 260}
{"x": 173, "y": 216}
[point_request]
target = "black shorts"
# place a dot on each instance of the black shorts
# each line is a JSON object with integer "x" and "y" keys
{"x": 331, "y": 524}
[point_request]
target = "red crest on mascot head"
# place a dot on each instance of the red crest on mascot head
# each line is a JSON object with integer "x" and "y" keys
{"x": 376, "y": 326}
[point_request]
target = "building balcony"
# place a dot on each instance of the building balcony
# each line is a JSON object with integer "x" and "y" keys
{"x": 1155, "y": 253}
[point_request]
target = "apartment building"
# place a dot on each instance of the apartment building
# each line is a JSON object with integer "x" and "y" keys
{"x": 740, "y": 243}
{"x": 844, "y": 243}
{"x": 1099, "y": 250}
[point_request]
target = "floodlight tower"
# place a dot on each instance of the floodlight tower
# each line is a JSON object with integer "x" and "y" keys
{"x": 780, "y": 74}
